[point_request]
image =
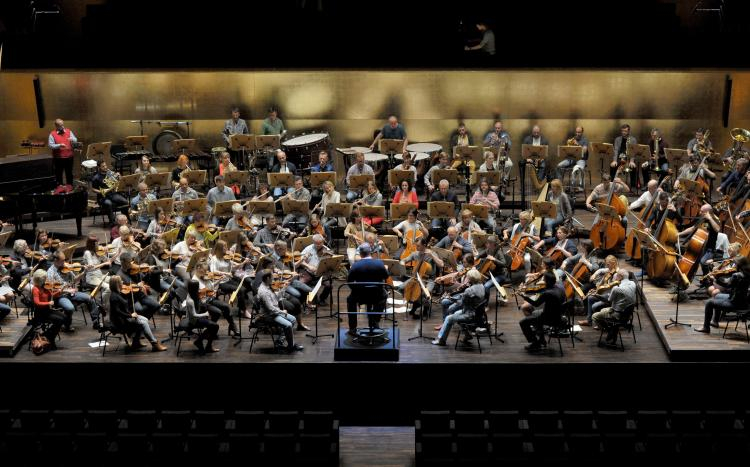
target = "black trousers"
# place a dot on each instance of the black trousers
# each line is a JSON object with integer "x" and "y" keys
{"x": 63, "y": 165}
{"x": 217, "y": 308}
{"x": 375, "y": 302}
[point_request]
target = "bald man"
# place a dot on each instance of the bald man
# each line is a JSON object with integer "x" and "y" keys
{"x": 392, "y": 130}
{"x": 444, "y": 193}
{"x": 536, "y": 138}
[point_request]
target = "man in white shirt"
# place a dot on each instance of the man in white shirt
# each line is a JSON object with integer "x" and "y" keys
{"x": 645, "y": 199}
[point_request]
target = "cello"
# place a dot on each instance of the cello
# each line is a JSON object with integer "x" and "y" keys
{"x": 410, "y": 246}
{"x": 608, "y": 233}
{"x": 690, "y": 259}
{"x": 412, "y": 289}
{"x": 632, "y": 244}
{"x": 661, "y": 263}
{"x": 518, "y": 245}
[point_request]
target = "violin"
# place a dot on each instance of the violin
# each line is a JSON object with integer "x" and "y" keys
{"x": 245, "y": 224}
{"x": 236, "y": 257}
{"x": 291, "y": 257}
{"x": 71, "y": 267}
{"x": 196, "y": 247}
{"x": 203, "y": 228}
{"x": 168, "y": 255}
{"x": 203, "y": 293}
{"x": 50, "y": 243}
{"x": 34, "y": 255}
{"x": 167, "y": 221}
{"x": 213, "y": 276}
{"x": 53, "y": 286}
{"x": 6, "y": 260}
{"x": 131, "y": 288}
{"x": 101, "y": 250}
{"x": 142, "y": 268}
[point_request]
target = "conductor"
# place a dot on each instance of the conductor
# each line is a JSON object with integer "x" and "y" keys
{"x": 371, "y": 270}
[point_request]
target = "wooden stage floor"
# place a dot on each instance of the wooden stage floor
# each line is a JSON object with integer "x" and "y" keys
{"x": 654, "y": 343}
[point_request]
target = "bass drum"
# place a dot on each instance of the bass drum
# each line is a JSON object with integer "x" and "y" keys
{"x": 303, "y": 150}
{"x": 162, "y": 144}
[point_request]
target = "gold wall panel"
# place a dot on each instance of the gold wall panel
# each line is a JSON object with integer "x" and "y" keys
{"x": 349, "y": 105}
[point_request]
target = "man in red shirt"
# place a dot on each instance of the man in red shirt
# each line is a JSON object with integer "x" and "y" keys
{"x": 61, "y": 141}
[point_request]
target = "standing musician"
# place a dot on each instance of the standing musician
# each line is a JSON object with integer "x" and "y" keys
{"x": 218, "y": 194}
{"x": 699, "y": 143}
{"x": 300, "y": 193}
{"x": 622, "y": 297}
{"x": 487, "y": 197}
{"x": 129, "y": 321}
{"x": 392, "y": 130}
{"x": 183, "y": 193}
{"x": 564, "y": 211}
{"x": 578, "y": 166}
{"x": 235, "y": 126}
{"x": 560, "y": 242}
{"x": 693, "y": 169}
{"x": 453, "y": 241}
{"x": 553, "y": 299}
{"x": 354, "y": 233}
{"x": 709, "y": 222}
{"x": 407, "y": 228}
{"x": 145, "y": 168}
{"x": 94, "y": 258}
{"x": 269, "y": 309}
{"x": 183, "y": 165}
{"x": 315, "y": 226}
{"x": 105, "y": 180}
{"x": 373, "y": 296}
{"x": 600, "y": 193}
{"x": 658, "y": 160}
{"x": 535, "y": 139}
{"x": 373, "y": 197}
{"x": 308, "y": 266}
{"x": 209, "y": 286}
{"x": 441, "y": 165}
{"x": 139, "y": 206}
{"x": 272, "y": 124}
{"x": 738, "y": 285}
{"x": 471, "y": 299}
{"x": 358, "y": 168}
{"x": 282, "y": 166}
{"x": 68, "y": 296}
{"x": 499, "y": 139}
{"x": 524, "y": 228}
{"x": 621, "y": 148}
{"x": 61, "y": 141}
{"x": 184, "y": 250}
{"x": 330, "y": 196}
{"x": 604, "y": 278}
{"x": 132, "y": 274}
{"x": 422, "y": 255}
{"x": 444, "y": 193}
{"x": 162, "y": 275}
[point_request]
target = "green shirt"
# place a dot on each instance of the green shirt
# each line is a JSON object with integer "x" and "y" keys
{"x": 273, "y": 128}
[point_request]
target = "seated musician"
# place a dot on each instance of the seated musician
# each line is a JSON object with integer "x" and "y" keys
{"x": 282, "y": 262}
{"x": 372, "y": 197}
{"x": 553, "y": 299}
{"x": 662, "y": 207}
{"x": 94, "y": 259}
{"x": 453, "y": 241}
{"x": 225, "y": 166}
{"x": 583, "y": 256}
{"x": 406, "y": 193}
{"x": 287, "y": 301}
{"x": 69, "y": 296}
{"x": 444, "y": 193}
{"x": 145, "y": 168}
{"x": 308, "y": 263}
{"x": 699, "y": 143}
{"x": 111, "y": 200}
{"x": 378, "y": 249}
{"x": 467, "y": 226}
{"x": 471, "y": 299}
{"x": 736, "y": 179}
{"x": 599, "y": 298}
{"x": 427, "y": 256}
{"x": 131, "y": 274}
{"x": 738, "y": 285}
{"x": 330, "y": 196}
{"x": 139, "y": 205}
{"x": 564, "y": 211}
{"x": 121, "y": 244}
{"x": 323, "y": 165}
{"x": 282, "y": 166}
{"x": 162, "y": 275}
{"x": 727, "y": 264}
{"x": 493, "y": 253}
{"x": 657, "y": 161}
{"x": 191, "y": 307}
{"x": 442, "y": 164}
{"x": 315, "y": 226}
{"x": 645, "y": 199}
{"x": 45, "y": 245}
{"x": 129, "y": 321}
{"x": 354, "y": 233}
{"x": 268, "y": 235}
{"x": 237, "y": 221}
{"x": 600, "y": 194}
{"x": 367, "y": 269}
{"x": 560, "y": 242}
{"x": 220, "y": 262}
{"x": 576, "y": 176}
{"x": 358, "y": 168}
{"x": 6, "y": 292}
{"x": 487, "y": 197}
{"x": 159, "y": 224}
{"x": 184, "y": 192}
{"x": 185, "y": 250}
{"x": 407, "y": 228}
{"x": 203, "y": 232}
{"x": 461, "y": 136}
{"x": 43, "y": 312}
{"x": 711, "y": 224}
{"x": 218, "y": 194}
{"x": 22, "y": 266}
{"x": 297, "y": 221}
{"x": 489, "y": 165}
{"x": 535, "y": 139}
{"x": 121, "y": 220}
{"x": 621, "y": 297}
{"x": 407, "y": 163}
{"x": 693, "y": 169}
{"x": 183, "y": 165}
{"x": 620, "y": 155}
{"x": 525, "y": 228}
{"x": 453, "y": 296}
{"x": 269, "y": 308}
{"x": 207, "y": 293}
{"x": 499, "y": 139}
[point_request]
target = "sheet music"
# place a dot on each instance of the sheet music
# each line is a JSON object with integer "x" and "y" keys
{"x": 311, "y": 295}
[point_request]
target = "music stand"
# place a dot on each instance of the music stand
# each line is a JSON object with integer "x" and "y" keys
{"x": 224, "y": 208}
{"x": 394, "y": 267}
{"x": 159, "y": 180}
{"x": 605, "y": 151}
{"x": 167, "y": 204}
{"x": 391, "y": 146}
{"x": 133, "y": 142}
{"x": 691, "y": 187}
{"x": 399, "y": 211}
{"x": 467, "y": 153}
{"x": 574, "y": 153}
{"x": 295, "y": 206}
{"x": 328, "y": 266}
{"x": 242, "y": 143}
{"x": 529, "y": 151}
{"x": 390, "y": 242}
{"x": 447, "y": 256}
{"x": 479, "y": 238}
{"x": 359, "y": 182}
{"x": 170, "y": 236}
{"x": 425, "y": 300}
{"x": 338, "y": 210}
{"x": 197, "y": 257}
{"x": 276, "y": 179}
{"x": 189, "y": 206}
{"x": 99, "y": 152}
{"x": 493, "y": 177}
{"x": 677, "y": 157}
{"x": 440, "y": 209}
{"x": 195, "y": 177}
{"x": 235, "y": 177}
{"x": 300, "y": 243}
{"x": 4, "y": 237}
{"x": 445, "y": 174}
{"x": 544, "y": 209}
{"x": 504, "y": 295}
{"x": 372, "y": 211}
{"x": 638, "y": 153}
{"x": 229, "y": 236}
{"x": 310, "y": 297}
{"x": 318, "y": 178}
{"x": 606, "y": 211}
{"x": 480, "y": 211}
{"x": 129, "y": 183}
{"x": 262, "y": 208}
{"x": 267, "y": 142}
{"x": 183, "y": 146}
{"x": 395, "y": 177}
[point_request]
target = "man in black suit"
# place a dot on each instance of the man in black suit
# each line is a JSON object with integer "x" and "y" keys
{"x": 282, "y": 166}
{"x": 367, "y": 269}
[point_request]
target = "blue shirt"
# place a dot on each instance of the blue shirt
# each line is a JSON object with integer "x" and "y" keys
{"x": 317, "y": 168}
{"x": 393, "y": 133}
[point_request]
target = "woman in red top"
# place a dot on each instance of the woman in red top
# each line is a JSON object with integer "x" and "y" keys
{"x": 406, "y": 194}
{"x": 42, "y": 311}
{"x": 225, "y": 165}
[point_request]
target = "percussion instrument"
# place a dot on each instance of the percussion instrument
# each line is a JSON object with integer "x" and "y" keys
{"x": 304, "y": 146}
{"x": 361, "y": 149}
{"x": 162, "y": 143}
{"x": 415, "y": 156}
{"x": 375, "y": 157}
{"x": 424, "y": 147}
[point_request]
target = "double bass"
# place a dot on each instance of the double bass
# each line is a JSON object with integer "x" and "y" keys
{"x": 632, "y": 244}
{"x": 661, "y": 263}
{"x": 688, "y": 263}
{"x": 608, "y": 233}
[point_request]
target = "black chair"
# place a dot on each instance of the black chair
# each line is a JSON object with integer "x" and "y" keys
{"x": 476, "y": 328}
{"x": 37, "y": 326}
{"x": 433, "y": 421}
{"x": 625, "y": 322}
{"x": 110, "y": 330}
{"x": 265, "y": 325}
{"x": 737, "y": 316}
